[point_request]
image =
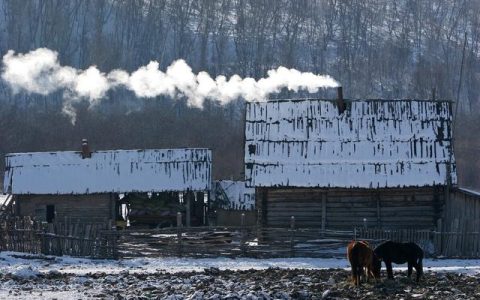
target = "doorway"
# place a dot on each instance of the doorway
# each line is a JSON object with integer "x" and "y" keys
{"x": 50, "y": 213}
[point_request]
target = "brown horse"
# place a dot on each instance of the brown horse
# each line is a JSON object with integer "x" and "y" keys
{"x": 362, "y": 258}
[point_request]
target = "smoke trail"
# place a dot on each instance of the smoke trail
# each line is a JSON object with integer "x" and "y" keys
{"x": 39, "y": 71}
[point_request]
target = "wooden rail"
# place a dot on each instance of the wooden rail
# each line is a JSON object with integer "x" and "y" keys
{"x": 100, "y": 241}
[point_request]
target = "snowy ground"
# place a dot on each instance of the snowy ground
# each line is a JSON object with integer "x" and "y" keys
{"x": 26, "y": 276}
{"x": 11, "y": 261}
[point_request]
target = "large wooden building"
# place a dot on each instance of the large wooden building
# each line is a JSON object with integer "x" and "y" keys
{"x": 337, "y": 165}
{"x": 86, "y": 186}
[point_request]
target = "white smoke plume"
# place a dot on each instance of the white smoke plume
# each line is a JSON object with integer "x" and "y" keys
{"x": 39, "y": 71}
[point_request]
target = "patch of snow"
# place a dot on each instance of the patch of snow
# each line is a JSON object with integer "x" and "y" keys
{"x": 25, "y": 272}
{"x": 374, "y": 143}
{"x": 82, "y": 266}
{"x": 120, "y": 171}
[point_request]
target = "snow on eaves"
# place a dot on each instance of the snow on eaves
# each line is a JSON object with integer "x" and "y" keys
{"x": 374, "y": 143}
{"x": 238, "y": 196}
{"x": 118, "y": 171}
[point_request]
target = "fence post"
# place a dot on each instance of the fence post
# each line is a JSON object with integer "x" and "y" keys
{"x": 188, "y": 204}
{"x": 292, "y": 236}
{"x": 244, "y": 233}
{"x": 113, "y": 238}
{"x": 439, "y": 237}
{"x": 179, "y": 233}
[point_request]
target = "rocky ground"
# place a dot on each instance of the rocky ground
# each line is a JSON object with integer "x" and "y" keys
{"x": 249, "y": 284}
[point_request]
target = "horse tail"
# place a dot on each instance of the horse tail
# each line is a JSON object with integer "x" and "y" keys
{"x": 353, "y": 256}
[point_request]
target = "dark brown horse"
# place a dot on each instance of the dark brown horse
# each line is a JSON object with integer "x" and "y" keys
{"x": 400, "y": 253}
{"x": 363, "y": 260}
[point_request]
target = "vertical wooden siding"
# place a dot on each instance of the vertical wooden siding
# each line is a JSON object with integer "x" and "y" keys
{"x": 347, "y": 208}
{"x": 462, "y": 211}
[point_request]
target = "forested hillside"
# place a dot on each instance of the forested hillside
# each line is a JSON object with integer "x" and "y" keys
{"x": 374, "y": 48}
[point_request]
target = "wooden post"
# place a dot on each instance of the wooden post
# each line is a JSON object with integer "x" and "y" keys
{"x": 439, "y": 238}
{"x": 261, "y": 195}
{"x": 324, "y": 212}
{"x": 179, "y": 233}
{"x": 244, "y": 234}
{"x": 292, "y": 236}
{"x": 379, "y": 219}
{"x": 188, "y": 203}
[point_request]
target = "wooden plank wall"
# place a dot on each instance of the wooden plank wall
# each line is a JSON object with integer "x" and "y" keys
{"x": 226, "y": 217}
{"x": 462, "y": 208}
{"x": 348, "y": 208}
{"x": 92, "y": 208}
{"x": 458, "y": 231}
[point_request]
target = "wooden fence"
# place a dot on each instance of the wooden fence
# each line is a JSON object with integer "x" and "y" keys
{"x": 100, "y": 241}
{"x": 260, "y": 242}
{"x": 74, "y": 239}
{"x": 231, "y": 242}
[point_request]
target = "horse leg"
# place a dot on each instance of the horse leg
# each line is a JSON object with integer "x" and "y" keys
{"x": 359, "y": 275}
{"x": 410, "y": 267}
{"x": 388, "y": 264}
{"x": 419, "y": 270}
{"x": 354, "y": 274}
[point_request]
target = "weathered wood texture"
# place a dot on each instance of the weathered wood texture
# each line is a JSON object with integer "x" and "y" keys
{"x": 375, "y": 236}
{"x": 91, "y": 208}
{"x": 226, "y": 217}
{"x": 232, "y": 241}
{"x": 458, "y": 232}
{"x": 58, "y": 238}
{"x": 348, "y": 208}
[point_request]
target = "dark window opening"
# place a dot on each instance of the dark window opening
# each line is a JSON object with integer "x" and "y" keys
{"x": 251, "y": 149}
{"x": 50, "y": 213}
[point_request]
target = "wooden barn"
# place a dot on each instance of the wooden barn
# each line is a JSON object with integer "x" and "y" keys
{"x": 346, "y": 163}
{"x": 87, "y": 186}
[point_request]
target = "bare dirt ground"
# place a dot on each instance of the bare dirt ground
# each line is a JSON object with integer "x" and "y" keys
{"x": 248, "y": 284}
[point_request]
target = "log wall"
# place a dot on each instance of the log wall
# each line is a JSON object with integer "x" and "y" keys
{"x": 347, "y": 208}
{"x": 93, "y": 208}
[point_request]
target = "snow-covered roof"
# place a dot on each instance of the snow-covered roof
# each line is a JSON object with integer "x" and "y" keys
{"x": 374, "y": 143}
{"x": 118, "y": 171}
{"x": 238, "y": 195}
{"x": 3, "y": 199}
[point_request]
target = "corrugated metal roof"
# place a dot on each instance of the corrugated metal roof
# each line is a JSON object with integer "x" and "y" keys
{"x": 390, "y": 143}
{"x": 118, "y": 171}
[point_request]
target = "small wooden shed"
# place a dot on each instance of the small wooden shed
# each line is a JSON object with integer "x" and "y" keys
{"x": 375, "y": 163}
{"x": 85, "y": 186}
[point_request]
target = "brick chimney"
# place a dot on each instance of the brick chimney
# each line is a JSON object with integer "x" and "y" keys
{"x": 86, "y": 153}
